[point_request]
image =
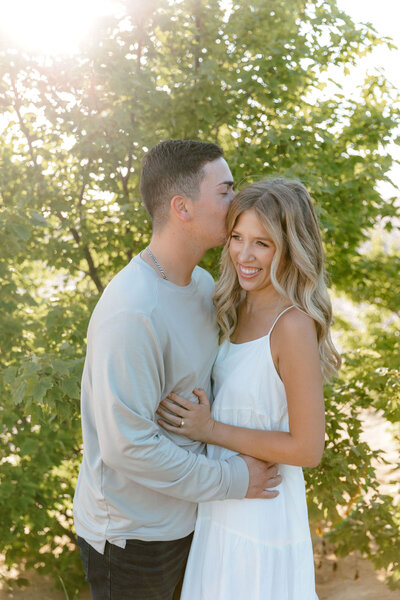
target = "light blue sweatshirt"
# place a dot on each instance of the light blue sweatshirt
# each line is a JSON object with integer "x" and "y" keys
{"x": 147, "y": 337}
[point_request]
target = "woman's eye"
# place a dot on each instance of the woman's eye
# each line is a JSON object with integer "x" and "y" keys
{"x": 235, "y": 237}
{"x": 262, "y": 244}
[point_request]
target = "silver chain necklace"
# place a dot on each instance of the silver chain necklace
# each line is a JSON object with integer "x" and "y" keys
{"x": 155, "y": 261}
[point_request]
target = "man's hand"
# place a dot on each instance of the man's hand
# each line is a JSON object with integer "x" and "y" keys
{"x": 263, "y": 475}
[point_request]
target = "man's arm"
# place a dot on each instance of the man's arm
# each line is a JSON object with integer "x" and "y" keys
{"x": 127, "y": 375}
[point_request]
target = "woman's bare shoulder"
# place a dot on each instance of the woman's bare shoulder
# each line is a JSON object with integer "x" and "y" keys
{"x": 295, "y": 324}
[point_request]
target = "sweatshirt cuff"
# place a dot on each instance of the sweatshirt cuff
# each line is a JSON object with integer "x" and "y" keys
{"x": 239, "y": 478}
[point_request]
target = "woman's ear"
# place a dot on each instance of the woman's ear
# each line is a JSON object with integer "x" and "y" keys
{"x": 181, "y": 207}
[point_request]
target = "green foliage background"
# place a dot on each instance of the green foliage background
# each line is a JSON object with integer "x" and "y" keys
{"x": 73, "y": 133}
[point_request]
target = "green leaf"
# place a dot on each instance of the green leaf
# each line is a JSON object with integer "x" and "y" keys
{"x": 40, "y": 388}
{"x": 70, "y": 387}
{"x": 9, "y": 374}
{"x": 19, "y": 392}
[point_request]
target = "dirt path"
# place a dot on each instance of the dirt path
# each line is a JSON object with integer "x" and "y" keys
{"x": 351, "y": 579}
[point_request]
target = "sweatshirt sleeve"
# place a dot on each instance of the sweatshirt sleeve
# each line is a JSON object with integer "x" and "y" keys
{"x": 127, "y": 376}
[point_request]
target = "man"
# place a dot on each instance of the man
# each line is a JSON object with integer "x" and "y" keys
{"x": 152, "y": 332}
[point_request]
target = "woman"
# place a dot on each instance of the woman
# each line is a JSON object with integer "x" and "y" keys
{"x": 274, "y": 314}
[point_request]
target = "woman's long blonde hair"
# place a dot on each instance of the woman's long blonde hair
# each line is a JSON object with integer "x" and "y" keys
{"x": 285, "y": 209}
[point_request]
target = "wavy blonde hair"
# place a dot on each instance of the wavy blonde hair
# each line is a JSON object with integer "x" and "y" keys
{"x": 285, "y": 209}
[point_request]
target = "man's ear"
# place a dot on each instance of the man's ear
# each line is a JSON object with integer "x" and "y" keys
{"x": 181, "y": 207}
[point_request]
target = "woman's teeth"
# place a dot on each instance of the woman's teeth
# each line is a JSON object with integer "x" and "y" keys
{"x": 248, "y": 270}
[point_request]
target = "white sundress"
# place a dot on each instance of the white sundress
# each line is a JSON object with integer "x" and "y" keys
{"x": 252, "y": 549}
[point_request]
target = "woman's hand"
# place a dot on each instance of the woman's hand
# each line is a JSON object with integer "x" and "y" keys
{"x": 187, "y": 418}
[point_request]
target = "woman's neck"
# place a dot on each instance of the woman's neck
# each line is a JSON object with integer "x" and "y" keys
{"x": 264, "y": 300}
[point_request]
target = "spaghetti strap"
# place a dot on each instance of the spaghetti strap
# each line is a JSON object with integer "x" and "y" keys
{"x": 279, "y": 316}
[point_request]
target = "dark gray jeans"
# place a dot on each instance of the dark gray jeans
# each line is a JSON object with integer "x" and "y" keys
{"x": 140, "y": 571}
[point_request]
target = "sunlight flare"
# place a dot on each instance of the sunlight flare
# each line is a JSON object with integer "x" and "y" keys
{"x": 49, "y": 26}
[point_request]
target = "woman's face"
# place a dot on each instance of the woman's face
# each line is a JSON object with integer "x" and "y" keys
{"x": 251, "y": 250}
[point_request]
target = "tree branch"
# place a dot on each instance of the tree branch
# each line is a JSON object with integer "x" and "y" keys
{"x": 24, "y": 129}
{"x": 197, "y": 37}
{"x": 93, "y": 273}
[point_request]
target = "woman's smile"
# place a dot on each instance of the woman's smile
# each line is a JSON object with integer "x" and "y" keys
{"x": 248, "y": 272}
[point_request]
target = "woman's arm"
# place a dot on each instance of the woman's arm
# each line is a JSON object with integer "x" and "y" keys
{"x": 295, "y": 352}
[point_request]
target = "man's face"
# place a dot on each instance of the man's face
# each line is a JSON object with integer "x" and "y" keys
{"x": 211, "y": 206}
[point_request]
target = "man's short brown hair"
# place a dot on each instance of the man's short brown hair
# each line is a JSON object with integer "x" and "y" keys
{"x": 173, "y": 167}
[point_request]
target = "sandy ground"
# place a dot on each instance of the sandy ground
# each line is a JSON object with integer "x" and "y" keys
{"x": 351, "y": 578}
{"x": 345, "y": 579}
